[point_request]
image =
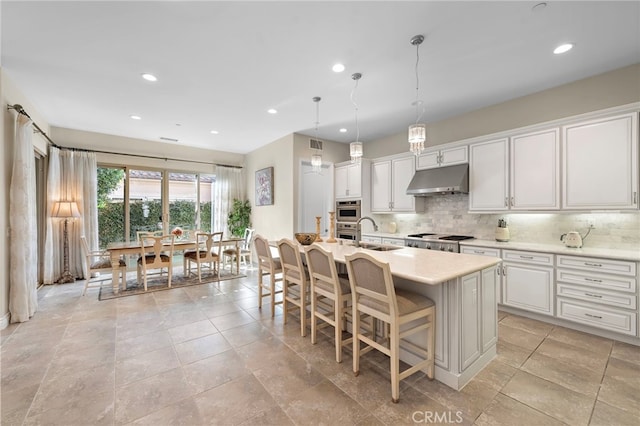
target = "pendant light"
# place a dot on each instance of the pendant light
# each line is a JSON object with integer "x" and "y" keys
{"x": 316, "y": 157}
{"x": 417, "y": 131}
{"x": 355, "y": 148}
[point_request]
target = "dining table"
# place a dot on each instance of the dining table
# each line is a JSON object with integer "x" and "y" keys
{"x": 119, "y": 249}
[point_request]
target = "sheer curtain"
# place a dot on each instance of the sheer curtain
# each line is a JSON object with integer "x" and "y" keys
{"x": 229, "y": 185}
{"x": 23, "y": 277}
{"x": 73, "y": 176}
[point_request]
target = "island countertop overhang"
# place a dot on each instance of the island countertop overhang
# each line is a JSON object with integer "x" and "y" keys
{"x": 420, "y": 265}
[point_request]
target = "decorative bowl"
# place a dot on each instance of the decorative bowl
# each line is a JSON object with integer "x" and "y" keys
{"x": 306, "y": 238}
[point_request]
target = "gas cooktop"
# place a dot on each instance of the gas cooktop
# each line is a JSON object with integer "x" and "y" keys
{"x": 444, "y": 237}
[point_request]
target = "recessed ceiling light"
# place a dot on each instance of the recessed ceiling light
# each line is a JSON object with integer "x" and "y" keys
{"x": 338, "y": 68}
{"x": 343, "y": 130}
{"x": 149, "y": 77}
{"x": 214, "y": 132}
{"x": 272, "y": 111}
{"x": 136, "y": 117}
{"x": 563, "y": 48}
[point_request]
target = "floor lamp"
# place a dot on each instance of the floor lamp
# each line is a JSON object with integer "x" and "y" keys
{"x": 66, "y": 210}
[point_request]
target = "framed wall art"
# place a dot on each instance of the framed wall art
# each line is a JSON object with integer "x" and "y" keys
{"x": 264, "y": 187}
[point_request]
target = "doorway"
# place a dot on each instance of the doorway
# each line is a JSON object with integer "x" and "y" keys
{"x": 316, "y": 197}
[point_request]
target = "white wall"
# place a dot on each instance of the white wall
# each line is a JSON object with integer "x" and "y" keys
{"x": 618, "y": 87}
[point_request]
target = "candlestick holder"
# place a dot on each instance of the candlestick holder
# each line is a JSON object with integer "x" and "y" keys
{"x": 332, "y": 228}
{"x": 318, "y": 238}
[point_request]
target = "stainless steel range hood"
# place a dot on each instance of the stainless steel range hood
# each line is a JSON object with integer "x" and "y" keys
{"x": 440, "y": 180}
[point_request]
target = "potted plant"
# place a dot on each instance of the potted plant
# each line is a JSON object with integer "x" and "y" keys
{"x": 239, "y": 217}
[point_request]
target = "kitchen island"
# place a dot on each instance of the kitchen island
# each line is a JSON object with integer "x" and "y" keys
{"x": 463, "y": 288}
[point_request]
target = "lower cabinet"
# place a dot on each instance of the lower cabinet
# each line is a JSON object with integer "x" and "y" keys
{"x": 597, "y": 292}
{"x": 526, "y": 284}
{"x": 492, "y": 252}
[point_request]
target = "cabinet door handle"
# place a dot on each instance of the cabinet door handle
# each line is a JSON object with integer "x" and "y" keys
{"x": 506, "y": 201}
{"x": 498, "y": 270}
{"x": 593, "y": 280}
{"x": 593, "y": 316}
{"x": 512, "y": 202}
{"x": 635, "y": 197}
{"x": 597, "y": 265}
{"x": 599, "y": 296}
{"x": 504, "y": 271}
{"x": 478, "y": 251}
{"x": 526, "y": 257}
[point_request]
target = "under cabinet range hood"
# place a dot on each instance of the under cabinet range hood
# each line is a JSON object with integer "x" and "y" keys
{"x": 440, "y": 180}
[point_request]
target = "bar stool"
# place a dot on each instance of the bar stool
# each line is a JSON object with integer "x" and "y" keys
{"x": 374, "y": 295}
{"x": 295, "y": 282}
{"x": 328, "y": 286}
{"x": 267, "y": 265}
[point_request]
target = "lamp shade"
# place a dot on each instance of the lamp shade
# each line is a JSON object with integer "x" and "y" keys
{"x": 65, "y": 209}
{"x": 355, "y": 151}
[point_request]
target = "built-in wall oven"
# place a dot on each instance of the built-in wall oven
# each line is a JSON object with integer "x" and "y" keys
{"x": 346, "y": 231}
{"x": 348, "y": 211}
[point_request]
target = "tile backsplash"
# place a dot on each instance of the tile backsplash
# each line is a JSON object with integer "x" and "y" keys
{"x": 449, "y": 214}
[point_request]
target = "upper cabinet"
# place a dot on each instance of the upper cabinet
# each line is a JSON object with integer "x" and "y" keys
{"x": 348, "y": 180}
{"x": 517, "y": 173}
{"x": 442, "y": 157}
{"x": 389, "y": 181}
{"x": 601, "y": 164}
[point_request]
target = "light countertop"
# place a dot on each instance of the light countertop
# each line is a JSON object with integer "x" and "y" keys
{"x": 607, "y": 253}
{"x": 419, "y": 265}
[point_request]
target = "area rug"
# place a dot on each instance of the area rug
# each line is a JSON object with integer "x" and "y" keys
{"x": 159, "y": 283}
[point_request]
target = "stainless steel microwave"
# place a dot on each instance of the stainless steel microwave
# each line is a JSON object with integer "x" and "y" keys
{"x": 348, "y": 211}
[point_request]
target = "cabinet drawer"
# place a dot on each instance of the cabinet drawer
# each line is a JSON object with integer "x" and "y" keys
{"x": 627, "y": 301}
{"x": 480, "y": 251}
{"x": 602, "y": 281}
{"x": 594, "y": 315}
{"x": 369, "y": 239}
{"x": 393, "y": 241}
{"x": 528, "y": 257}
{"x": 598, "y": 265}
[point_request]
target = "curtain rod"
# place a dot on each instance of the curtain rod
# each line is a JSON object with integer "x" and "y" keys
{"x": 20, "y": 110}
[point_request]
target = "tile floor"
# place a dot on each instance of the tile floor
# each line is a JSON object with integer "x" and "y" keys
{"x": 207, "y": 355}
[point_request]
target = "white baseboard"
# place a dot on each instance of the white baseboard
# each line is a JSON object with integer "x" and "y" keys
{"x": 4, "y": 321}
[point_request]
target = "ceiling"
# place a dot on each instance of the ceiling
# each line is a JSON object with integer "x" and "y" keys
{"x": 221, "y": 65}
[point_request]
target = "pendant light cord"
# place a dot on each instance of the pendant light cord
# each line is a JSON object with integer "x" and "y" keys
{"x": 418, "y": 102}
{"x": 353, "y": 92}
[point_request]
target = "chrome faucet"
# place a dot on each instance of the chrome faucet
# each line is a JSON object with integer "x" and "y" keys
{"x": 359, "y": 231}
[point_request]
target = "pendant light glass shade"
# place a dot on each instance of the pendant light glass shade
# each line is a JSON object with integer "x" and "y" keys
{"x": 316, "y": 163}
{"x": 418, "y": 131}
{"x": 356, "y": 151}
{"x": 316, "y": 157}
{"x": 417, "y": 137}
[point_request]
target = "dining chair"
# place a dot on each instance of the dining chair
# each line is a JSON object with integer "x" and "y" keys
{"x": 244, "y": 251}
{"x": 267, "y": 265}
{"x": 404, "y": 314}
{"x": 327, "y": 287}
{"x": 207, "y": 252}
{"x": 98, "y": 261}
{"x": 295, "y": 282}
{"x": 156, "y": 252}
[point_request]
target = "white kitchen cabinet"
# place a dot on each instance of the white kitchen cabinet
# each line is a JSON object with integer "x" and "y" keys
{"x": 348, "y": 181}
{"x": 520, "y": 173}
{"x": 371, "y": 239}
{"x": 492, "y": 252}
{"x": 389, "y": 181}
{"x": 600, "y": 169}
{"x": 479, "y": 315}
{"x": 597, "y": 292}
{"x": 471, "y": 320}
{"x": 442, "y": 157}
{"x": 489, "y": 175}
{"x": 535, "y": 171}
{"x": 527, "y": 281}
